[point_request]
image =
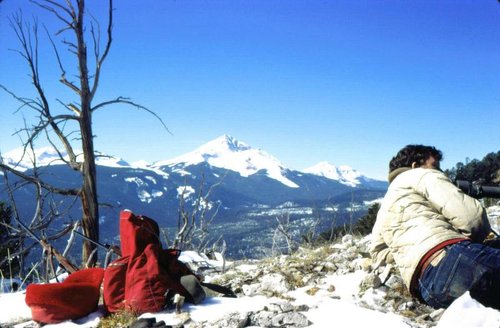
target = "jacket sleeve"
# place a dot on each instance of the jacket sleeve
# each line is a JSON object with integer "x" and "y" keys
{"x": 463, "y": 212}
{"x": 378, "y": 249}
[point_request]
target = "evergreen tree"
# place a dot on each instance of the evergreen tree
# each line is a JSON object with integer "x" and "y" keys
{"x": 486, "y": 171}
{"x": 8, "y": 246}
{"x": 362, "y": 227}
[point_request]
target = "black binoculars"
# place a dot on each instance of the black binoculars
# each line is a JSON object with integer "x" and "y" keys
{"x": 477, "y": 190}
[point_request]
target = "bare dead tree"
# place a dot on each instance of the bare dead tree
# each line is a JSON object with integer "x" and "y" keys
{"x": 283, "y": 230}
{"x": 193, "y": 225}
{"x": 68, "y": 126}
{"x": 310, "y": 235}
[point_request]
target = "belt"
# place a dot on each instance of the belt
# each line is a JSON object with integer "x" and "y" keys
{"x": 433, "y": 260}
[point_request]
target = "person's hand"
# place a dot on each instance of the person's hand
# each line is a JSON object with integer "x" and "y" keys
{"x": 493, "y": 242}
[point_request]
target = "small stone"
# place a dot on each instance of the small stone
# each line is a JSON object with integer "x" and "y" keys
{"x": 371, "y": 281}
{"x": 436, "y": 314}
{"x": 348, "y": 240}
{"x": 312, "y": 291}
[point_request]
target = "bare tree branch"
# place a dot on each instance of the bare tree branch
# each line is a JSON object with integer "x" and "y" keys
{"x": 60, "y": 191}
{"x": 54, "y": 11}
{"x": 123, "y": 100}
{"x": 100, "y": 61}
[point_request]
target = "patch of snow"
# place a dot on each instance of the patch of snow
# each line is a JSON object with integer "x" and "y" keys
{"x": 14, "y": 309}
{"x": 150, "y": 178}
{"x": 144, "y": 196}
{"x": 371, "y": 202}
{"x": 141, "y": 164}
{"x": 135, "y": 180}
{"x": 156, "y": 193}
{"x": 110, "y": 161}
{"x": 466, "y": 312}
{"x": 186, "y": 190}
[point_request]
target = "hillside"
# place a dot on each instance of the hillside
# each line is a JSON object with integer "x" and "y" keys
{"x": 328, "y": 286}
{"x": 249, "y": 190}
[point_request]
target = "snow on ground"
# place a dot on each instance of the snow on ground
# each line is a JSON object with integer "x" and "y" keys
{"x": 337, "y": 309}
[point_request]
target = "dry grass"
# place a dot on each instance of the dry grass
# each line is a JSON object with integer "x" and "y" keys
{"x": 120, "y": 319}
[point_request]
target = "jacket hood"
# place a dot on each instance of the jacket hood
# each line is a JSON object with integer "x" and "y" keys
{"x": 396, "y": 172}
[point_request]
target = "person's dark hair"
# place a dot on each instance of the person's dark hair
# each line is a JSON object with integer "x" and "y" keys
{"x": 414, "y": 153}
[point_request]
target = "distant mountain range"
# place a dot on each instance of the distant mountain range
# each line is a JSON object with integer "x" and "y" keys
{"x": 249, "y": 188}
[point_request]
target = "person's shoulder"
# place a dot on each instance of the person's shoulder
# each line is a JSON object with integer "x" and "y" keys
{"x": 432, "y": 173}
{"x": 417, "y": 175}
{"x": 431, "y": 177}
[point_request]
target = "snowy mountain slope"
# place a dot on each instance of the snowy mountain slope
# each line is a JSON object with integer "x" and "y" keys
{"x": 23, "y": 160}
{"x": 228, "y": 153}
{"x": 344, "y": 173}
{"x": 224, "y": 152}
{"x": 249, "y": 190}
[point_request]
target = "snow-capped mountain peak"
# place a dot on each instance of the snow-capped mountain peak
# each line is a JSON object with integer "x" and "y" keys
{"x": 225, "y": 143}
{"x": 22, "y": 159}
{"x": 343, "y": 173}
{"x": 223, "y": 152}
{"x": 44, "y": 156}
{"x": 231, "y": 154}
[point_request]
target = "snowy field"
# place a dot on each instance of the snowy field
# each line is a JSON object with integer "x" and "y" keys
{"x": 339, "y": 310}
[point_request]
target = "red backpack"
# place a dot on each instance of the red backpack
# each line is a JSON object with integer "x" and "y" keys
{"x": 144, "y": 278}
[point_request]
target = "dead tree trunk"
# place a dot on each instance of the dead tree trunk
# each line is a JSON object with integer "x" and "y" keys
{"x": 90, "y": 207}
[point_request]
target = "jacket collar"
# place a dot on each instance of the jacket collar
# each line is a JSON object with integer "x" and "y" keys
{"x": 396, "y": 172}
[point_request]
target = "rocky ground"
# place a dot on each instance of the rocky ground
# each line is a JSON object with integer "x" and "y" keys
{"x": 326, "y": 271}
{"x": 307, "y": 268}
{"x": 380, "y": 290}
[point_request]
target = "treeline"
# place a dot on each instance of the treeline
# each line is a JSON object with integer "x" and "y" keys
{"x": 363, "y": 226}
{"x": 486, "y": 171}
{"x": 9, "y": 262}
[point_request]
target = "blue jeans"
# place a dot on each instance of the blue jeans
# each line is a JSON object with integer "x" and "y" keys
{"x": 466, "y": 267}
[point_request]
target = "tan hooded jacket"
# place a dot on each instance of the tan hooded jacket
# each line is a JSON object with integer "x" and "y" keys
{"x": 422, "y": 208}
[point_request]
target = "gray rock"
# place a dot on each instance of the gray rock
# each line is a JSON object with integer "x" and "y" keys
{"x": 272, "y": 319}
{"x": 232, "y": 320}
{"x": 371, "y": 281}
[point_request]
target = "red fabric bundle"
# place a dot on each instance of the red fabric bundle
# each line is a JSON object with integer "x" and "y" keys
{"x": 139, "y": 280}
{"x": 75, "y": 297}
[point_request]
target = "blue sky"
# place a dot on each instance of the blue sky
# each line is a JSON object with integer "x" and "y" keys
{"x": 349, "y": 82}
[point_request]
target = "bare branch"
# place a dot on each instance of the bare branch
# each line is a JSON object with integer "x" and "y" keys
{"x": 31, "y": 55}
{"x": 25, "y": 102}
{"x": 73, "y": 163}
{"x": 99, "y": 62}
{"x": 63, "y": 79}
{"x": 283, "y": 229}
{"x": 73, "y": 192}
{"x": 123, "y": 100}
{"x": 54, "y": 11}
